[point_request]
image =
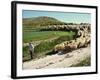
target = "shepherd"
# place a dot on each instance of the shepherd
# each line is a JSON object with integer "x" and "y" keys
{"x": 31, "y": 50}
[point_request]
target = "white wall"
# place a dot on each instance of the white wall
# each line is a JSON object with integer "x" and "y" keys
{"x": 5, "y": 40}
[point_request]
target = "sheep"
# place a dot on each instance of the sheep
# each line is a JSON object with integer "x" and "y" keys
{"x": 59, "y": 47}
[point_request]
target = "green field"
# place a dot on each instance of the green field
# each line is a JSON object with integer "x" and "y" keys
{"x": 43, "y": 35}
{"x": 48, "y": 39}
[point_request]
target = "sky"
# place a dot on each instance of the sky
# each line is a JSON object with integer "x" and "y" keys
{"x": 69, "y": 17}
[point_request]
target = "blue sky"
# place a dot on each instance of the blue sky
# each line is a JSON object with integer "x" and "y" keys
{"x": 62, "y": 16}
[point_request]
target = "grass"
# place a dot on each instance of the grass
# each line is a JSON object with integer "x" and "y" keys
{"x": 46, "y": 47}
{"x": 43, "y": 35}
{"x": 86, "y": 62}
{"x": 26, "y": 55}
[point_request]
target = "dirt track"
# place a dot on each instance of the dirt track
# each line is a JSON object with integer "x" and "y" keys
{"x": 59, "y": 61}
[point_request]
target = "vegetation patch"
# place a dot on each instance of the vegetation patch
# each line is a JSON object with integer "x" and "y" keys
{"x": 86, "y": 62}
{"x": 43, "y": 35}
{"x": 45, "y": 47}
{"x": 48, "y": 45}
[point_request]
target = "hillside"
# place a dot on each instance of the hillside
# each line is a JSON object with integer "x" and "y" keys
{"x": 41, "y": 21}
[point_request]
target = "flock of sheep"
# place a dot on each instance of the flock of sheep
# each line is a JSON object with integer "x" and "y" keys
{"x": 82, "y": 40}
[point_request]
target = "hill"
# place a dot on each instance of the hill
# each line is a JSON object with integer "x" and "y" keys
{"x": 41, "y": 21}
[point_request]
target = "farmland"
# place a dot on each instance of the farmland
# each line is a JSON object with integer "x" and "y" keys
{"x": 42, "y": 35}
{"x": 47, "y": 39}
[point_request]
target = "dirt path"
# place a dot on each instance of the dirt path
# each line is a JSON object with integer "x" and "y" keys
{"x": 59, "y": 61}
